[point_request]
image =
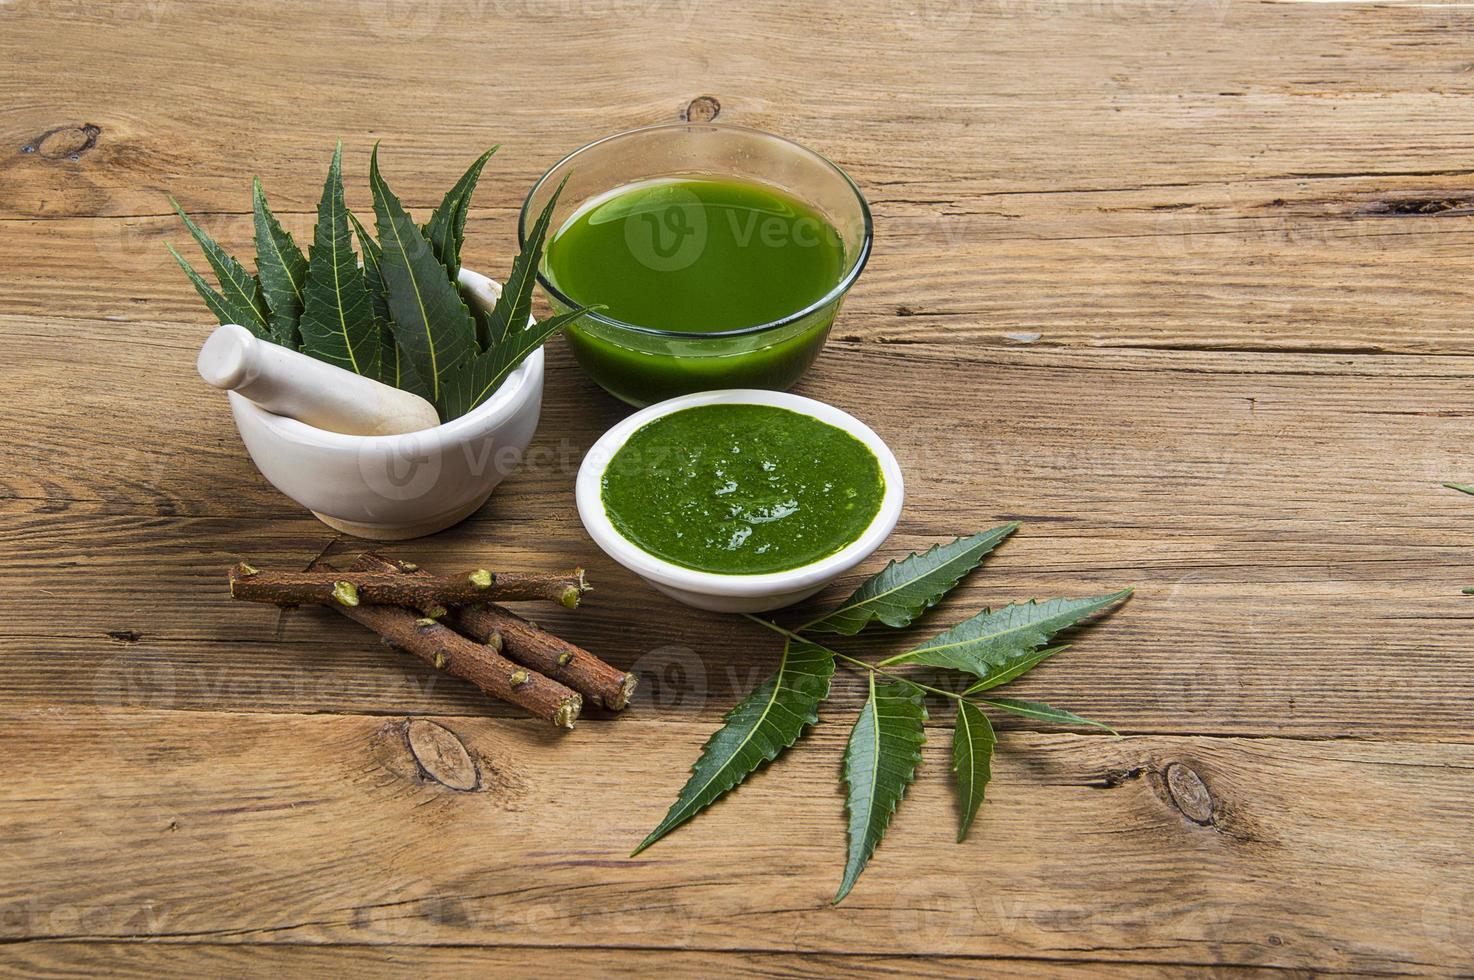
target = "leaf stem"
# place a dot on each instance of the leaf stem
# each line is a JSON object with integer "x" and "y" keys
{"x": 851, "y": 660}
{"x": 959, "y": 698}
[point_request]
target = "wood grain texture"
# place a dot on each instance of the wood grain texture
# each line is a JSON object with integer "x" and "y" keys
{"x": 1179, "y": 179}
{"x": 1162, "y": 849}
{"x": 1181, "y": 284}
{"x": 147, "y": 960}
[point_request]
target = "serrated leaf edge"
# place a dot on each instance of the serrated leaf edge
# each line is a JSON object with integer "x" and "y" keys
{"x": 676, "y": 816}
{"x": 225, "y": 266}
{"x": 216, "y": 303}
{"x": 1003, "y": 532}
{"x": 266, "y": 221}
{"x": 452, "y": 214}
{"x": 858, "y": 856}
{"x": 1039, "y": 711}
{"x": 910, "y": 656}
{"x": 962, "y": 739}
{"x": 380, "y": 190}
{"x": 1014, "y": 671}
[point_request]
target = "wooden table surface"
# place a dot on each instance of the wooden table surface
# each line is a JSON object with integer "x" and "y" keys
{"x": 1184, "y": 286}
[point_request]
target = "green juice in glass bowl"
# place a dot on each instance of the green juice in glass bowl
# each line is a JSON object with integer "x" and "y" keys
{"x": 720, "y": 256}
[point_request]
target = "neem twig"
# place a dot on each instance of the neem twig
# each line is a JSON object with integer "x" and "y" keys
{"x": 357, "y": 588}
{"x": 531, "y": 645}
{"x": 480, "y": 663}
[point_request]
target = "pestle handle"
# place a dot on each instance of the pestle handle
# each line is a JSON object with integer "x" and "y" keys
{"x": 320, "y": 394}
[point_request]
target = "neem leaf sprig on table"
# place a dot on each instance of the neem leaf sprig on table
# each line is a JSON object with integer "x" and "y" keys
{"x": 399, "y": 316}
{"x": 884, "y": 748}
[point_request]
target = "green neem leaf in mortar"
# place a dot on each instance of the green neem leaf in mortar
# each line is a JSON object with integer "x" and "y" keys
{"x": 1015, "y": 665}
{"x": 224, "y": 311}
{"x": 282, "y": 268}
{"x": 394, "y": 367}
{"x": 905, "y": 589}
{"x": 879, "y": 763}
{"x": 972, "y": 761}
{"x": 1039, "y": 711}
{"x": 431, "y": 323}
{"x": 476, "y": 379}
{"x": 509, "y": 339}
{"x": 447, "y": 227}
{"x": 992, "y": 640}
{"x": 337, "y": 322}
{"x": 768, "y": 720}
{"x": 373, "y": 275}
{"x": 240, "y": 293}
{"x": 514, "y": 305}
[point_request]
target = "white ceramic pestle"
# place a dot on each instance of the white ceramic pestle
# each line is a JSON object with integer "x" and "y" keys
{"x": 320, "y": 394}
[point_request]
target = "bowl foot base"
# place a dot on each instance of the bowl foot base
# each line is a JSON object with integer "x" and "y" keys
{"x": 401, "y": 532}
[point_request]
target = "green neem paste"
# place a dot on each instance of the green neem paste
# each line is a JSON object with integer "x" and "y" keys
{"x": 742, "y": 489}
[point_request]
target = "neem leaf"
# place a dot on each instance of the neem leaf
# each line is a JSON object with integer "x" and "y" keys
{"x": 879, "y": 763}
{"x": 1015, "y": 665}
{"x": 992, "y": 640}
{"x": 337, "y": 322}
{"x": 394, "y": 368}
{"x": 766, "y": 722}
{"x": 430, "y": 321}
{"x": 219, "y": 305}
{"x": 1461, "y": 488}
{"x": 514, "y": 305}
{"x": 1040, "y": 711}
{"x": 447, "y": 227}
{"x": 240, "y": 293}
{"x": 509, "y": 337}
{"x": 478, "y": 377}
{"x": 282, "y": 268}
{"x": 972, "y": 758}
{"x": 373, "y": 276}
{"x": 905, "y": 589}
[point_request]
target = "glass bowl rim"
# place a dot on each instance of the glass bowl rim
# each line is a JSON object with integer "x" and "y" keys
{"x": 834, "y": 294}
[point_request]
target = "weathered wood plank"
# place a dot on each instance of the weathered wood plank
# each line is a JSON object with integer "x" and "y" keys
{"x": 1280, "y": 516}
{"x": 1054, "y": 183}
{"x": 1264, "y": 436}
{"x": 1234, "y": 199}
{"x": 1236, "y": 108}
{"x": 150, "y": 959}
{"x": 1281, "y": 265}
{"x": 1225, "y": 635}
{"x": 229, "y": 827}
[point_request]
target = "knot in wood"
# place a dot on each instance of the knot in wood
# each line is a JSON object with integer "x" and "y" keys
{"x": 442, "y": 756}
{"x": 1189, "y": 794}
{"x": 66, "y": 141}
{"x": 703, "y": 108}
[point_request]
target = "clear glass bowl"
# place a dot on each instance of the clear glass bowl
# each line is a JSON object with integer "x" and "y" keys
{"x": 642, "y": 365}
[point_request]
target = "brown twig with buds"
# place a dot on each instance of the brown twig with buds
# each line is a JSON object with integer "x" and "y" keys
{"x": 359, "y": 588}
{"x": 481, "y": 663}
{"x": 529, "y": 644}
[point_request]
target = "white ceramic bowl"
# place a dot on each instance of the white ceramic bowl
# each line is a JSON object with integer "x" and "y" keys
{"x": 735, "y": 593}
{"x": 394, "y": 487}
